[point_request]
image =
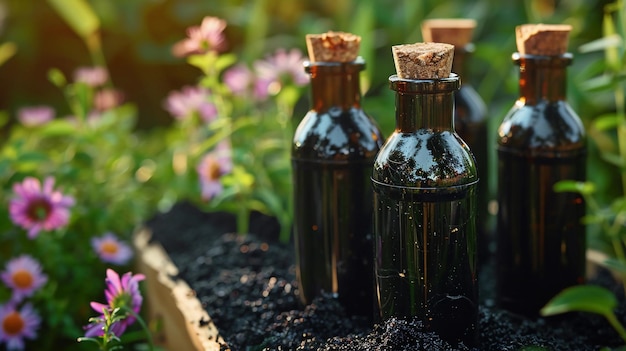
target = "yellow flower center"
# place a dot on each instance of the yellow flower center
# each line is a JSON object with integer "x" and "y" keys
{"x": 13, "y": 323}
{"x": 109, "y": 247}
{"x": 23, "y": 279}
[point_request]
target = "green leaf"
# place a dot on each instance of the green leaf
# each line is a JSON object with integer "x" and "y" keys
{"x": 582, "y": 298}
{"x": 611, "y": 52}
{"x": 612, "y": 158}
{"x": 7, "y": 50}
{"x": 618, "y": 205}
{"x": 615, "y": 265}
{"x": 57, "y": 77}
{"x": 224, "y": 61}
{"x": 606, "y": 122}
{"x": 33, "y": 156}
{"x": 58, "y": 127}
{"x": 272, "y": 200}
{"x": 4, "y": 118}
{"x": 603, "y": 43}
{"x": 586, "y": 188}
{"x": 78, "y": 14}
{"x": 599, "y": 83}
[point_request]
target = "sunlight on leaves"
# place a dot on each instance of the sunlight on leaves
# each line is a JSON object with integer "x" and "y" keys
{"x": 7, "y": 50}
{"x": 585, "y": 188}
{"x": 603, "y": 43}
{"x": 583, "y": 298}
{"x": 78, "y": 15}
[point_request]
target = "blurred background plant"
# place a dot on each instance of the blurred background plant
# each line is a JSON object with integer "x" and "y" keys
{"x": 604, "y": 193}
{"x": 128, "y": 151}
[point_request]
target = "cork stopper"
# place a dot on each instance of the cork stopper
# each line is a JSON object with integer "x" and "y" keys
{"x": 423, "y": 60}
{"x": 333, "y": 47}
{"x": 542, "y": 39}
{"x": 455, "y": 31}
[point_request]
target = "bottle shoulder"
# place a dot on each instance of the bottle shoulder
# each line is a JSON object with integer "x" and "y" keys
{"x": 425, "y": 159}
{"x": 470, "y": 108}
{"x": 337, "y": 134}
{"x": 545, "y": 125}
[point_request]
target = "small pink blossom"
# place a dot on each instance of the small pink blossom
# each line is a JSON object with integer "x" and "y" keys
{"x": 239, "y": 79}
{"x": 191, "y": 99}
{"x": 17, "y": 325}
{"x": 112, "y": 250}
{"x": 92, "y": 76}
{"x": 284, "y": 67}
{"x": 106, "y": 99}
{"x": 35, "y": 115}
{"x": 23, "y": 275}
{"x": 209, "y": 36}
{"x": 212, "y": 167}
{"x": 36, "y": 207}
{"x": 120, "y": 293}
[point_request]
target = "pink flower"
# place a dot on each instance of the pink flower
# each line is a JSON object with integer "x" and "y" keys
{"x": 23, "y": 275}
{"x": 191, "y": 99}
{"x": 110, "y": 249}
{"x": 239, "y": 79}
{"x": 17, "y": 325}
{"x": 282, "y": 68}
{"x": 92, "y": 76}
{"x": 37, "y": 208}
{"x": 212, "y": 167}
{"x": 120, "y": 293}
{"x": 107, "y": 99}
{"x": 35, "y": 115}
{"x": 209, "y": 36}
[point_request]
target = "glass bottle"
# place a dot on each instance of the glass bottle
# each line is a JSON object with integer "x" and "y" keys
{"x": 540, "y": 237}
{"x": 425, "y": 182}
{"x": 470, "y": 122}
{"x": 332, "y": 155}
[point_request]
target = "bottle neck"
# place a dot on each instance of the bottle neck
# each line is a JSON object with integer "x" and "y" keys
{"x": 424, "y": 104}
{"x": 335, "y": 84}
{"x": 542, "y": 77}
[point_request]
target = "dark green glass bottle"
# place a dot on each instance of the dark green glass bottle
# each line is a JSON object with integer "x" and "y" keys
{"x": 333, "y": 151}
{"x": 470, "y": 117}
{"x": 540, "y": 236}
{"x": 425, "y": 181}
{"x": 470, "y": 122}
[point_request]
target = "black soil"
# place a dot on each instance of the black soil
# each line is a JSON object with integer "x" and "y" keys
{"x": 247, "y": 285}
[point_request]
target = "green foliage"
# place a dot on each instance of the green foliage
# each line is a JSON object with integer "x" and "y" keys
{"x": 586, "y": 298}
{"x": 609, "y": 131}
{"x": 92, "y": 160}
{"x": 79, "y": 15}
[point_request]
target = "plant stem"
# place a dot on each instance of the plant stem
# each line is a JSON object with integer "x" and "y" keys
{"x": 143, "y": 326}
{"x": 243, "y": 219}
{"x": 616, "y": 325}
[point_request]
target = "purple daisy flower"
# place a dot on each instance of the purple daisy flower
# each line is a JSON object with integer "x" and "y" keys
{"x": 191, "y": 99}
{"x": 92, "y": 76}
{"x": 23, "y": 275}
{"x": 35, "y": 115}
{"x": 36, "y": 207}
{"x": 239, "y": 79}
{"x": 17, "y": 325}
{"x": 212, "y": 167}
{"x": 110, "y": 249}
{"x": 281, "y": 68}
{"x": 209, "y": 36}
{"x": 120, "y": 293}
